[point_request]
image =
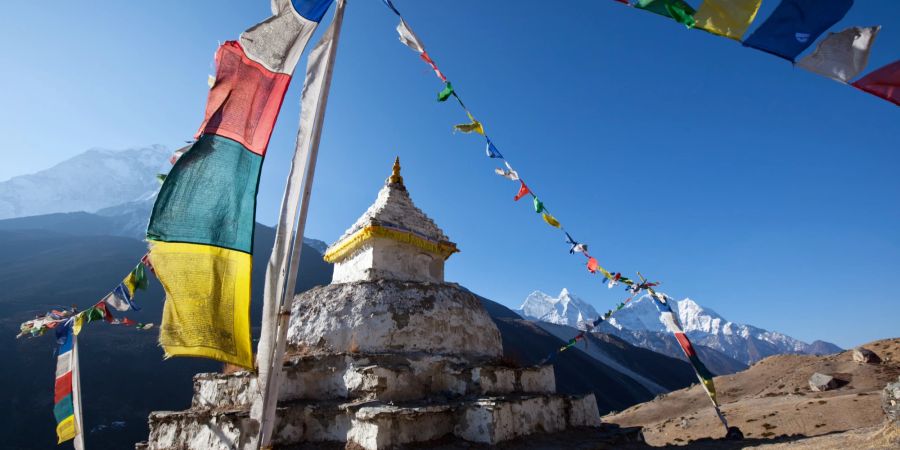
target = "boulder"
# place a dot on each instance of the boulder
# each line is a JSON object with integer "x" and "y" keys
{"x": 890, "y": 401}
{"x": 865, "y": 356}
{"x": 821, "y": 382}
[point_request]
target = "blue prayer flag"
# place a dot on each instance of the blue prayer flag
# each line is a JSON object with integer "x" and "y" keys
{"x": 492, "y": 151}
{"x": 795, "y": 25}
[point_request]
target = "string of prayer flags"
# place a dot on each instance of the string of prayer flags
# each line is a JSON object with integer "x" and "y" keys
{"x": 728, "y": 18}
{"x": 66, "y": 389}
{"x": 491, "y": 150}
{"x": 446, "y": 92}
{"x": 523, "y": 191}
{"x": 884, "y": 83}
{"x": 842, "y": 56}
{"x": 473, "y": 125}
{"x": 678, "y": 10}
{"x": 201, "y": 228}
{"x": 795, "y": 25}
{"x": 550, "y": 220}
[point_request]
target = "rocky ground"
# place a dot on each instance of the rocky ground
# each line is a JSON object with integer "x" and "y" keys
{"x": 772, "y": 403}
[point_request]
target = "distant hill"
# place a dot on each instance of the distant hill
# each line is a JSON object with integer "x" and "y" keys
{"x": 773, "y": 398}
{"x": 60, "y": 260}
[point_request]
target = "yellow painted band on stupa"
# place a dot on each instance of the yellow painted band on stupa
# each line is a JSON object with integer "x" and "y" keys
{"x": 352, "y": 243}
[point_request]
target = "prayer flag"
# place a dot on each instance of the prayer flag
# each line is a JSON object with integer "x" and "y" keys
{"x": 729, "y": 18}
{"x": 538, "y": 206}
{"x": 207, "y": 305}
{"x": 670, "y": 320}
{"x": 509, "y": 173}
{"x": 550, "y": 220}
{"x": 66, "y": 405}
{"x": 593, "y": 265}
{"x": 434, "y": 66}
{"x": 120, "y": 298}
{"x": 884, "y": 83}
{"x": 201, "y": 228}
{"x": 474, "y": 125}
{"x": 678, "y": 10}
{"x": 842, "y": 56}
{"x": 795, "y": 25}
{"x": 446, "y": 92}
{"x": 408, "y": 38}
{"x": 491, "y": 151}
{"x": 523, "y": 191}
{"x": 137, "y": 279}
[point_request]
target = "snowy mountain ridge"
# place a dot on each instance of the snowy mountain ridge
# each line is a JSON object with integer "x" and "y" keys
{"x": 639, "y": 324}
{"x": 564, "y": 309}
{"x": 90, "y": 181}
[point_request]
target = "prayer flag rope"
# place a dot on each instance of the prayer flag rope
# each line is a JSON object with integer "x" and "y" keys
{"x": 408, "y": 38}
{"x": 792, "y": 27}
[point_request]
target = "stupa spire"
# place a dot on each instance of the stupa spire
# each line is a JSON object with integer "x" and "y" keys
{"x": 395, "y": 177}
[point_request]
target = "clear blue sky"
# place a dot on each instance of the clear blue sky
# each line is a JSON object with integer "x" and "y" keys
{"x": 764, "y": 192}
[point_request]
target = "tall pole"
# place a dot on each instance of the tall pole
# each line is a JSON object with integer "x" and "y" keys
{"x": 78, "y": 443}
{"x": 281, "y": 273}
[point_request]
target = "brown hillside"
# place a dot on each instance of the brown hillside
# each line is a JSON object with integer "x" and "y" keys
{"x": 773, "y": 398}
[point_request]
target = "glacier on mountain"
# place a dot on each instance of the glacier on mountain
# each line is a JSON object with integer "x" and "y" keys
{"x": 564, "y": 309}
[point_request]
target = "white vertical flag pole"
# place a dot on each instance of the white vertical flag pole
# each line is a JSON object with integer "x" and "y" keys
{"x": 76, "y": 395}
{"x": 281, "y": 273}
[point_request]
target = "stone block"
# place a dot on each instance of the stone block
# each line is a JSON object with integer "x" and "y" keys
{"x": 820, "y": 382}
{"x": 865, "y": 356}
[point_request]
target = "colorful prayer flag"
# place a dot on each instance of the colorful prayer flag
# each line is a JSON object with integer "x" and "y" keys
{"x": 884, "y": 83}
{"x": 120, "y": 298}
{"x": 670, "y": 320}
{"x": 201, "y": 228}
{"x": 538, "y": 206}
{"x": 678, "y": 10}
{"x": 842, "y": 56}
{"x": 523, "y": 191}
{"x": 550, "y": 220}
{"x": 65, "y": 392}
{"x": 491, "y": 151}
{"x": 474, "y": 125}
{"x": 728, "y": 18}
{"x": 446, "y": 92}
{"x": 795, "y": 25}
{"x": 593, "y": 265}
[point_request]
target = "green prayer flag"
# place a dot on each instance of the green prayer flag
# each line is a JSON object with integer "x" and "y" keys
{"x": 139, "y": 277}
{"x": 538, "y": 206}
{"x": 93, "y": 314}
{"x": 678, "y": 10}
{"x": 446, "y": 92}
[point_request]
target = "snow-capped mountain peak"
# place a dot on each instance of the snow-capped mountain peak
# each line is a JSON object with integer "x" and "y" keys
{"x": 564, "y": 309}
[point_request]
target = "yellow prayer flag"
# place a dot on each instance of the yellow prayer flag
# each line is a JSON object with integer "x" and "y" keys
{"x": 65, "y": 430}
{"x": 77, "y": 323}
{"x": 728, "y": 18}
{"x": 207, "y": 309}
{"x": 470, "y": 127}
{"x": 550, "y": 220}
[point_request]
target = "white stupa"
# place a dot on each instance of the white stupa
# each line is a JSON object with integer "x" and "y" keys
{"x": 388, "y": 354}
